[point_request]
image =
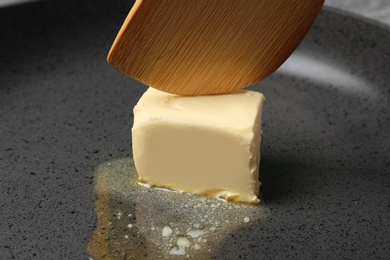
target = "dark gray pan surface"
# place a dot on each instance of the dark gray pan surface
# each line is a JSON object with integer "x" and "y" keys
{"x": 325, "y": 163}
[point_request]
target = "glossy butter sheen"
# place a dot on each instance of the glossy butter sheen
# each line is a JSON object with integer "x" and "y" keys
{"x": 204, "y": 144}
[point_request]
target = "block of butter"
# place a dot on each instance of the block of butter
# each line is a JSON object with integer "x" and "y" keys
{"x": 201, "y": 144}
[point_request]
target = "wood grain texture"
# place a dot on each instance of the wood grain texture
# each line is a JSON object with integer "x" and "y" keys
{"x": 201, "y": 47}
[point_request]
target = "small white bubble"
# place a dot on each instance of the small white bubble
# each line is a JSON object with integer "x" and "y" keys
{"x": 177, "y": 251}
{"x": 130, "y": 225}
{"x": 195, "y": 233}
{"x": 183, "y": 242}
{"x": 166, "y": 231}
{"x": 126, "y": 236}
{"x": 246, "y": 219}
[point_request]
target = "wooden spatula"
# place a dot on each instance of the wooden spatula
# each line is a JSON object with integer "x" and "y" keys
{"x": 201, "y": 47}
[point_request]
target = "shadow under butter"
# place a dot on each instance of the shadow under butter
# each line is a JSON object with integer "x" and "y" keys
{"x": 135, "y": 222}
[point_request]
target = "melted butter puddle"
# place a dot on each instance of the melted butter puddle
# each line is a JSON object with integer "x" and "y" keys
{"x": 135, "y": 222}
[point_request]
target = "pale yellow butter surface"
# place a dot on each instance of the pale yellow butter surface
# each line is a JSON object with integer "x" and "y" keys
{"x": 203, "y": 144}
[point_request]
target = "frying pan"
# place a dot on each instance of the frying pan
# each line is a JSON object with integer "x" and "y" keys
{"x": 325, "y": 150}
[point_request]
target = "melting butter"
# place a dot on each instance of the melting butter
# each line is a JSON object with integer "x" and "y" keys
{"x": 135, "y": 222}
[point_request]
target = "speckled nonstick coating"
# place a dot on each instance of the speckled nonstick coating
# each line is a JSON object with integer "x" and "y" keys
{"x": 325, "y": 151}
